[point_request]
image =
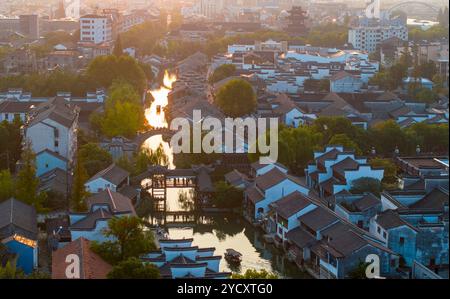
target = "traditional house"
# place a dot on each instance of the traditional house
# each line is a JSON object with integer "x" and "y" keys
{"x": 327, "y": 246}
{"x": 119, "y": 146}
{"x": 52, "y": 127}
{"x": 179, "y": 259}
{"x": 113, "y": 177}
{"x": 414, "y": 223}
{"x": 12, "y": 109}
{"x": 237, "y": 179}
{"x": 47, "y": 160}
{"x": 289, "y": 113}
{"x": 91, "y": 265}
{"x": 357, "y": 208}
{"x": 335, "y": 169}
{"x": 268, "y": 188}
{"x": 101, "y": 208}
{"x": 345, "y": 82}
{"x": 286, "y": 211}
{"x": 258, "y": 169}
{"x": 19, "y": 233}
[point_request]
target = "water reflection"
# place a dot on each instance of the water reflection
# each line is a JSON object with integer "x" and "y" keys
{"x": 219, "y": 231}
{"x": 233, "y": 232}
{"x": 154, "y": 142}
{"x": 155, "y": 113}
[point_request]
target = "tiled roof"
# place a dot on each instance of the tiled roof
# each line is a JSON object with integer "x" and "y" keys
{"x": 117, "y": 202}
{"x": 92, "y": 266}
{"x": 436, "y": 199}
{"x": 346, "y": 164}
{"x": 19, "y": 218}
{"x": 253, "y": 194}
{"x": 300, "y": 237}
{"x": 90, "y": 221}
{"x": 318, "y": 218}
{"x": 56, "y": 109}
{"x": 366, "y": 202}
{"x": 390, "y": 219}
{"x": 15, "y": 107}
{"x": 291, "y": 204}
{"x": 270, "y": 179}
{"x": 112, "y": 173}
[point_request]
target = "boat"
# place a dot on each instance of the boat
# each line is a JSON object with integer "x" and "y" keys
{"x": 232, "y": 256}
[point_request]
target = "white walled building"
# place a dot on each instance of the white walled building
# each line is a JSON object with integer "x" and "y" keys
{"x": 52, "y": 126}
{"x": 335, "y": 170}
{"x": 96, "y": 29}
{"x": 366, "y": 38}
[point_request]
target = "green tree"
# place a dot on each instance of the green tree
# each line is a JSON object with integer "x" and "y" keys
{"x": 390, "y": 171}
{"x": 118, "y": 49}
{"x": 124, "y": 114}
{"x": 10, "y": 270}
{"x": 366, "y": 184}
{"x": 236, "y": 98}
{"x": 387, "y": 136}
{"x": 222, "y": 72}
{"x": 425, "y": 95}
{"x": 346, "y": 142}
{"x": 227, "y": 196}
{"x": 103, "y": 71}
{"x": 27, "y": 183}
{"x": 430, "y": 137}
{"x": 94, "y": 158}
{"x": 255, "y": 274}
{"x": 427, "y": 70}
{"x": 10, "y": 151}
{"x": 296, "y": 147}
{"x": 131, "y": 239}
{"x": 359, "y": 272}
{"x": 6, "y": 185}
{"x": 78, "y": 189}
{"x": 133, "y": 268}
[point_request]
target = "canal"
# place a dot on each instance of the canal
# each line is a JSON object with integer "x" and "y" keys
{"x": 212, "y": 230}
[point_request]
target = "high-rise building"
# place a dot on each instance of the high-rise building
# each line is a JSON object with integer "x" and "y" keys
{"x": 368, "y": 36}
{"x": 96, "y": 28}
{"x": 210, "y": 8}
{"x": 367, "y": 33}
{"x": 29, "y": 26}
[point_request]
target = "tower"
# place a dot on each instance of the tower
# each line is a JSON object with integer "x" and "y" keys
{"x": 373, "y": 9}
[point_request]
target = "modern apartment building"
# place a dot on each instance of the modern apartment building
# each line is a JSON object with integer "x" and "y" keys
{"x": 96, "y": 29}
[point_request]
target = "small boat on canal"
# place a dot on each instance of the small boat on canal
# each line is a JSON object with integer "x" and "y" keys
{"x": 233, "y": 257}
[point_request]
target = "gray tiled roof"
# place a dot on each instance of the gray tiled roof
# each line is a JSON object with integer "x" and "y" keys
{"x": 112, "y": 173}
{"x": 318, "y": 218}
{"x": 19, "y": 218}
{"x": 291, "y": 204}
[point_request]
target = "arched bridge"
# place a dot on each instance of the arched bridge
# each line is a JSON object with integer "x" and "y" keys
{"x": 408, "y": 3}
{"x": 141, "y": 137}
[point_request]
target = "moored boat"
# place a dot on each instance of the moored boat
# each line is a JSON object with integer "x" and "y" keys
{"x": 233, "y": 256}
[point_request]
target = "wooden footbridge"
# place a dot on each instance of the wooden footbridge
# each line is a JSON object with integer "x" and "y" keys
{"x": 157, "y": 179}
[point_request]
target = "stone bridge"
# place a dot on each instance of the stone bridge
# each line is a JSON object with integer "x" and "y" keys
{"x": 142, "y": 136}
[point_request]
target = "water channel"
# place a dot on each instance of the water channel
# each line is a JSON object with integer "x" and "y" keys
{"x": 219, "y": 231}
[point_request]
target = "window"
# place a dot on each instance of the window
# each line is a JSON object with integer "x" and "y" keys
{"x": 360, "y": 223}
{"x": 379, "y": 230}
{"x": 56, "y": 143}
{"x": 6, "y": 116}
{"x": 402, "y": 241}
{"x": 384, "y": 235}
